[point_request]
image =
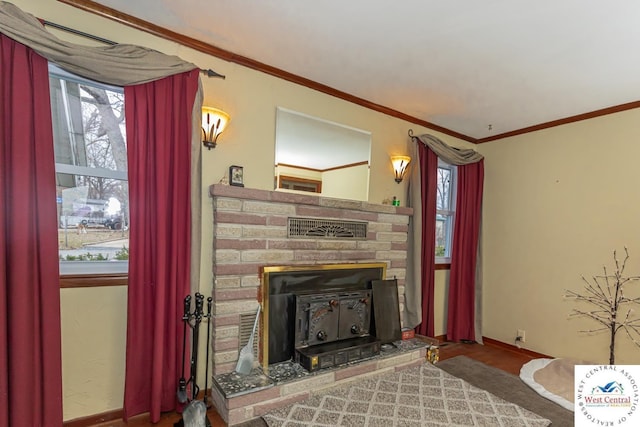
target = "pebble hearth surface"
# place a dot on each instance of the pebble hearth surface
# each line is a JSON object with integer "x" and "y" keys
{"x": 233, "y": 384}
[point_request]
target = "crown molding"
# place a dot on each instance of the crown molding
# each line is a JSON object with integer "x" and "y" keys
{"x": 209, "y": 49}
{"x": 560, "y": 122}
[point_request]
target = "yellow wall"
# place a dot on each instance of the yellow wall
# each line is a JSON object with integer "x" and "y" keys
{"x": 441, "y": 288}
{"x": 347, "y": 183}
{"x": 557, "y": 203}
{"x": 94, "y": 327}
{"x": 93, "y": 345}
{"x": 344, "y": 183}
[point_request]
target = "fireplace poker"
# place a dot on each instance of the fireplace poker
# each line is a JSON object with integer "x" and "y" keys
{"x": 206, "y": 358}
{"x": 182, "y": 382}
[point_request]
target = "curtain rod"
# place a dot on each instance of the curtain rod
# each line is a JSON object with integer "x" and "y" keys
{"x": 208, "y": 72}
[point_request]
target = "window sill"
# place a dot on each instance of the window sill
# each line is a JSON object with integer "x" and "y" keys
{"x": 93, "y": 280}
{"x": 443, "y": 266}
{"x": 93, "y": 268}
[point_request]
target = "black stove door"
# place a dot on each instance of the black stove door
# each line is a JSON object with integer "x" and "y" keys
{"x": 317, "y": 318}
{"x": 355, "y": 314}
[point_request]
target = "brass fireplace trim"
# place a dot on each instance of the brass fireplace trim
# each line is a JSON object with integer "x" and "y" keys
{"x": 264, "y": 359}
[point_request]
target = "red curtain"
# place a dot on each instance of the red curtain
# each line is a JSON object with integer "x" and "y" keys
{"x": 462, "y": 280}
{"x": 158, "y": 117}
{"x": 30, "y": 347}
{"x": 428, "y": 185}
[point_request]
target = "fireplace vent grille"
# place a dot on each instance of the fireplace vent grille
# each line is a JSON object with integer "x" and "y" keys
{"x": 332, "y": 229}
{"x": 246, "y": 327}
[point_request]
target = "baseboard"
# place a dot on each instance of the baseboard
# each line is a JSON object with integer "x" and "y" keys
{"x": 499, "y": 344}
{"x": 116, "y": 415}
{"x": 495, "y": 343}
{"x": 91, "y": 420}
{"x": 441, "y": 338}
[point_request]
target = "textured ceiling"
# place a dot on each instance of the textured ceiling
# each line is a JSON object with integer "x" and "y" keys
{"x": 476, "y": 68}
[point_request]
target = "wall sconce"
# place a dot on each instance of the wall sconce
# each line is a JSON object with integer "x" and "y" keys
{"x": 400, "y": 164}
{"x": 213, "y": 123}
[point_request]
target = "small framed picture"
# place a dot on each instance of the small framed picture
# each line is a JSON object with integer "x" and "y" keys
{"x": 235, "y": 176}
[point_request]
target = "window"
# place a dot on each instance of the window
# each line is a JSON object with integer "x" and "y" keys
{"x": 445, "y": 211}
{"x": 91, "y": 174}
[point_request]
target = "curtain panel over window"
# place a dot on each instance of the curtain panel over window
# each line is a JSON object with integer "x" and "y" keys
{"x": 30, "y": 347}
{"x": 423, "y": 183}
{"x": 419, "y": 287}
{"x": 157, "y": 278}
{"x": 464, "y": 284}
{"x": 158, "y": 114}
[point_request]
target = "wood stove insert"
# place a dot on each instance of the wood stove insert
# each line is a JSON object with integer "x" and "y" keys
{"x": 319, "y": 316}
{"x": 332, "y": 328}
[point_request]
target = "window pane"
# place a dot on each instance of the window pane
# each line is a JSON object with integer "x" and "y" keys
{"x": 443, "y": 235}
{"x": 93, "y": 218}
{"x": 443, "y": 201}
{"x": 445, "y": 210}
{"x": 91, "y": 174}
{"x": 88, "y": 124}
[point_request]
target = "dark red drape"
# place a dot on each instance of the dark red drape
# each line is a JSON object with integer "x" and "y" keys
{"x": 158, "y": 117}
{"x": 30, "y": 346}
{"x": 428, "y": 188}
{"x": 462, "y": 280}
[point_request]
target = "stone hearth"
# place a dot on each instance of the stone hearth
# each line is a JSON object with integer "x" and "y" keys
{"x": 241, "y": 398}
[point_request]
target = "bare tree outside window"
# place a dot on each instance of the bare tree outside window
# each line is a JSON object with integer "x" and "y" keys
{"x": 444, "y": 180}
{"x": 104, "y": 141}
{"x": 105, "y": 124}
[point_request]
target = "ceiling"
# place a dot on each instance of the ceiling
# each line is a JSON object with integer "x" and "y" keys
{"x": 478, "y": 68}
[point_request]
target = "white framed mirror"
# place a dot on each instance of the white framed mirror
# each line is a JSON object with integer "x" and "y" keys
{"x": 319, "y": 156}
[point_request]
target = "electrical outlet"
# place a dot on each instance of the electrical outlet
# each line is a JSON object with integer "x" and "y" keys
{"x": 520, "y": 335}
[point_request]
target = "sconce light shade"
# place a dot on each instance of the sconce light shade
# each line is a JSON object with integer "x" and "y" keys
{"x": 400, "y": 164}
{"x": 213, "y": 123}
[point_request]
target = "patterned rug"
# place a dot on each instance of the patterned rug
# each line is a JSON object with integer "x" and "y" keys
{"x": 420, "y": 396}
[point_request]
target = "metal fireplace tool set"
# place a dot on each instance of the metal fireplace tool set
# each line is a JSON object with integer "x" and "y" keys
{"x": 194, "y": 413}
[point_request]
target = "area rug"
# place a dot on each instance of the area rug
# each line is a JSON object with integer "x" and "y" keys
{"x": 422, "y": 396}
{"x": 507, "y": 386}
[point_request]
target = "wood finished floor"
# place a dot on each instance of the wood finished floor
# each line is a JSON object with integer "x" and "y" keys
{"x": 502, "y": 358}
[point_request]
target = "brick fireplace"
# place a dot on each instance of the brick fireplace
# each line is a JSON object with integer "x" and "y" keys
{"x": 254, "y": 229}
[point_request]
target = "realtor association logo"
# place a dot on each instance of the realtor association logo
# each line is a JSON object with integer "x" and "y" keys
{"x": 607, "y": 395}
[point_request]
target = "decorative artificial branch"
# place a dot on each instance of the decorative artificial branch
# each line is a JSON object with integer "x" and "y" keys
{"x": 612, "y": 308}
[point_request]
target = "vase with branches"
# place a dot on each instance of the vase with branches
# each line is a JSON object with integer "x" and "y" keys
{"x": 610, "y": 306}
